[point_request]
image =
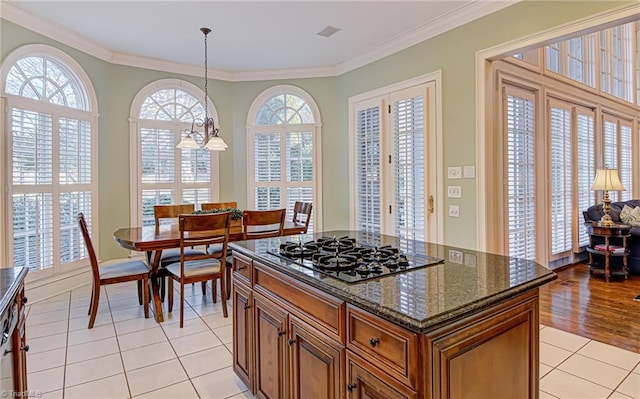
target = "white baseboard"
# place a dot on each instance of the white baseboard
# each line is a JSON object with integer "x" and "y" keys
{"x": 45, "y": 288}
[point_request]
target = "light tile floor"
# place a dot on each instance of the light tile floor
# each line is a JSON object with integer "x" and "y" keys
{"x": 126, "y": 355}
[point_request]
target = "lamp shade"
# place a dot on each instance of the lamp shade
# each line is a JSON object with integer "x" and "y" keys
{"x": 216, "y": 143}
{"x": 607, "y": 179}
{"x": 188, "y": 142}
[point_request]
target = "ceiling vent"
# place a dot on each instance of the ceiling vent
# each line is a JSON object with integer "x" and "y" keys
{"x": 329, "y": 31}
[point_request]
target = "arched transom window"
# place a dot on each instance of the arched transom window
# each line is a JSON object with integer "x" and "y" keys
{"x": 284, "y": 151}
{"x": 165, "y": 174}
{"x": 52, "y": 156}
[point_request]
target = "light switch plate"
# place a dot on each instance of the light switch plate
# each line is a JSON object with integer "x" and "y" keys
{"x": 454, "y": 172}
{"x": 469, "y": 172}
{"x": 454, "y": 191}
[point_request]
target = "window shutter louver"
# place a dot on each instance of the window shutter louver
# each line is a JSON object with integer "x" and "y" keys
{"x": 560, "y": 196}
{"x": 32, "y": 152}
{"x": 409, "y": 143}
{"x": 585, "y": 170}
{"x": 625, "y": 171}
{"x": 75, "y": 151}
{"x": 72, "y": 247}
{"x": 520, "y": 118}
{"x": 368, "y": 169}
{"x": 33, "y": 230}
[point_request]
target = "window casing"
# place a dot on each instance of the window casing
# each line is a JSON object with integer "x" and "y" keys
{"x": 161, "y": 172}
{"x": 51, "y": 159}
{"x": 283, "y": 146}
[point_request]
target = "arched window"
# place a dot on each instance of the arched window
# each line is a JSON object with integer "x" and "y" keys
{"x": 284, "y": 161}
{"x": 160, "y": 172}
{"x": 51, "y": 150}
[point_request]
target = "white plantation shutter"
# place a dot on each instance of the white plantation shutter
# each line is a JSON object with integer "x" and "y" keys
{"x": 585, "y": 171}
{"x": 561, "y": 179}
{"x": 299, "y": 170}
{"x": 72, "y": 246}
{"x": 410, "y": 168}
{"x": 52, "y": 175}
{"x": 268, "y": 166}
{"x": 32, "y": 150}
{"x": 625, "y": 171}
{"x": 33, "y": 230}
{"x": 520, "y": 166}
{"x": 151, "y": 197}
{"x": 196, "y": 195}
{"x": 158, "y": 149}
{"x": 611, "y": 150}
{"x": 75, "y": 151}
{"x": 368, "y": 168}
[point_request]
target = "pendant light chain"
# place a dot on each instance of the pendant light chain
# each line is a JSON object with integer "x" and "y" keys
{"x": 206, "y": 80}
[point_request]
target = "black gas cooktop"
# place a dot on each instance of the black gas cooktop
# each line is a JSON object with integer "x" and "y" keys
{"x": 350, "y": 261}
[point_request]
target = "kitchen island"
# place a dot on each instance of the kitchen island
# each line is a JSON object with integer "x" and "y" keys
{"x": 466, "y": 325}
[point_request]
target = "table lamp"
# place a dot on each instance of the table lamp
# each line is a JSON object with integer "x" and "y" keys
{"x": 607, "y": 180}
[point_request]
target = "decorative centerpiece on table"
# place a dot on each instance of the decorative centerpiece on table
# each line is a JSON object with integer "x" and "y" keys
{"x": 236, "y": 215}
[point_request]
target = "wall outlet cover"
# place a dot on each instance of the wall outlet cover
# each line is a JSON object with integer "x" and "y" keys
{"x": 454, "y": 211}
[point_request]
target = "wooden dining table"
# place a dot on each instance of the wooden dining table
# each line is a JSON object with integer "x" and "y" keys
{"x": 153, "y": 241}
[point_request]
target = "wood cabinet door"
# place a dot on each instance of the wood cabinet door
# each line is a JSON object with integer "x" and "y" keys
{"x": 316, "y": 361}
{"x": 243, "y": 334}
{"x": 271, "y": 349}
{"x": 365, "y": 381}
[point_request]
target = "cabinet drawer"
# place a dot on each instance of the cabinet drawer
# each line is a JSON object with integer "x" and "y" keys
{"x": 242, "y": 268}
{"x": 390, "y": 347}
{"x": 322, "y": 311}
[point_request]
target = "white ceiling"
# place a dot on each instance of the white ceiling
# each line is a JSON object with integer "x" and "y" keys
{"x": 248, "y": 37}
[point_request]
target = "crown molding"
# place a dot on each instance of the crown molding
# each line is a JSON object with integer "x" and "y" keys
{"x": 293, "y": 73}
{"x": 168, "y": 66}
{"x": 460, "y": 16}
{"x": 453, "y": 19}
{"x": 52, "y": 31}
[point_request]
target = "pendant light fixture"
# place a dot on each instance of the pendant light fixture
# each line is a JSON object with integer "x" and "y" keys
{"x": 209, "y": 138}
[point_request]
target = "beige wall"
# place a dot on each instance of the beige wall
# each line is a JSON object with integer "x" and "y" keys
{"x": 452, "y": 52}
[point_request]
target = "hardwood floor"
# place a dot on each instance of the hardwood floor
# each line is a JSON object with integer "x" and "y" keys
{"x": 586, "y": 305}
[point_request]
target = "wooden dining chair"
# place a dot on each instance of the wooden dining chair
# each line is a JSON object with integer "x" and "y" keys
{"x": 207, "y": 206}
{"x": 169, "y": 256}
{"x": 113, "y": 273}
{"x": 302, "y": 216}
{"x": 200, "y": 230}
{"x": 263, "y": 224}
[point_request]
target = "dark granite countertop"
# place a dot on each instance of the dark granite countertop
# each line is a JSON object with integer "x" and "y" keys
{"x": 10, "y": 279}
{"x": 418, "y": 299}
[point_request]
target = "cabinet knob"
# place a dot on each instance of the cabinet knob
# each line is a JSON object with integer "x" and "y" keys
{"x": 351, "y": 386}
{"x": 374, "y": 341}
{"x": 246, "y": 306}
{"x": 242, "y": 267}
{"x": 24, "y": 299}
{"x": 281, "y": 333}
{"x": 25, "y": 348}
{"x": 292, "y": 341}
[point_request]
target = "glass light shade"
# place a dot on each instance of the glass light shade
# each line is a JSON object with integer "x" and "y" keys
{"x": 216, "y": 143}
{"x": 188, "y": 143}
{"x": 607, "y": 179}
